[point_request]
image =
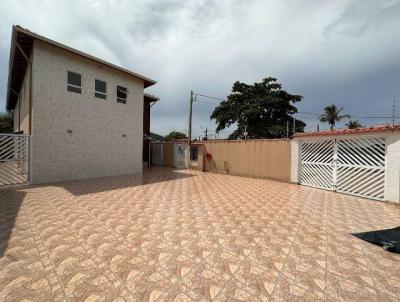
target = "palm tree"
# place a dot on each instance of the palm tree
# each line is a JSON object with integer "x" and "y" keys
{"x": 332, "y": 115}
{"x": 352, "y": 124}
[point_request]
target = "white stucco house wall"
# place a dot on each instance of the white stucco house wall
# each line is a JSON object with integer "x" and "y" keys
{"x": 84, "y": 115}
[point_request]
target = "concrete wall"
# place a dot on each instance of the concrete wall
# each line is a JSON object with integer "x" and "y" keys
{"x": 21, "y": 113}
{"x": 295, "y": 153}
{"x": 392, "y": 175}
{"x": 168, "y": 154}
{"x": 106, "y": 138}
{"x": 256, "y": 158}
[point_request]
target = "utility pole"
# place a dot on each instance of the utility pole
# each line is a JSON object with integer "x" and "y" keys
{"x": 206, "y": 134}
{"x": 187, "y": 150}
{"x": 294, "y": 125}
{"x": 190, "y": 117}
{"x": 393, "y": 111}
{"x": 245, "y": 133}
{"x": 287, "y": 129}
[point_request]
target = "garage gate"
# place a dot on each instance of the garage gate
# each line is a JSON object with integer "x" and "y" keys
{"x": 14, "y": 159}
{"x": 353, "y": 166}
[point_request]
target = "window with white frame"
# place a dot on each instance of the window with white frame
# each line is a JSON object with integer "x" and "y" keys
{"x": 122, "y": 94}
{"x": 74, "y": 82}
{"x": 100, "y": 89}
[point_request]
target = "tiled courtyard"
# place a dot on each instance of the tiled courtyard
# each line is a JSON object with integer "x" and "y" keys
{"x": 183, "y": 235}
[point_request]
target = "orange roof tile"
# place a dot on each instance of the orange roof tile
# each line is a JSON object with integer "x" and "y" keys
{"x": 363, "y": 130}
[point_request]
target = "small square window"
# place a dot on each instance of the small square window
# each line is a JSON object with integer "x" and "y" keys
{"x": 122, "y": 93}
{"x": 100, "y": 89}
{"x": 74, "y": 82}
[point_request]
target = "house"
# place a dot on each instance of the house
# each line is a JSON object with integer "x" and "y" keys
{"x": 86, "y": 117}
{"x": 149, "y": 101}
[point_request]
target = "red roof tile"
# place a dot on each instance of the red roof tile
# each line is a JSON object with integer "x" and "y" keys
{"x": 364, "y": 130}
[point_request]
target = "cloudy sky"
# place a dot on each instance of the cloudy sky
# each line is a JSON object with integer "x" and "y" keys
{"x": 339, "y": 51}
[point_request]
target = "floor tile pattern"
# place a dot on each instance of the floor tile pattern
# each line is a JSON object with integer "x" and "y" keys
{"x": 189, "y": 236}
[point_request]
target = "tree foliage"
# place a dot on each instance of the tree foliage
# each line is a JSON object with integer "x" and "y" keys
{"x": 175, "y": 135}
{"x": 332, "y": 115}
{"x": 6, "y": 122}
{"x": 263, "y": 108}
{"x": 353, "y": 124}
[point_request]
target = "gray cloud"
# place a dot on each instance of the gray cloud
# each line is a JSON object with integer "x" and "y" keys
{"x": 342, "y": 52}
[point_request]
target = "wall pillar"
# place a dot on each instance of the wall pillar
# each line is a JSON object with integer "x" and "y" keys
{"x": 392, "y": 175}
{"x": 295, "y": 160}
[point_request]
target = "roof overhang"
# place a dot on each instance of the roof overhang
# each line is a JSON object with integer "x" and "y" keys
{"x": 363, "y": 130}
{"x": 18, "y": 64}
{"x": 151, "y": 98}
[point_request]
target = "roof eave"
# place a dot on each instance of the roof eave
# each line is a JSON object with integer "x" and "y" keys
{"x": 10, "y": 64}
{"x": 151, "y": 98}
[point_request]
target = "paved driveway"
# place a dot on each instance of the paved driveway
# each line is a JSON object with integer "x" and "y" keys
{"x": 181, "y": 236}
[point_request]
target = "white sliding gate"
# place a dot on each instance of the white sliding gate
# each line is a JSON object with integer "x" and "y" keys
{"x": 14, "y": 159}
{"x": 353, "y": 165}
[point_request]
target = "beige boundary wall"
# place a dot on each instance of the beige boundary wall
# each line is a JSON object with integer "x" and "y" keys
{"x": 256, "y": 158}
{"x": 168, "y": 154}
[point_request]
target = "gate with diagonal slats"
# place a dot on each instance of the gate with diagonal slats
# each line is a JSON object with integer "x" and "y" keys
{"x": 14, "y": 159}
{"x": 349, "y": 165}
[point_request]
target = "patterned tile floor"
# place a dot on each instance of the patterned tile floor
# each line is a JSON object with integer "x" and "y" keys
{"x": 183, "y": 235}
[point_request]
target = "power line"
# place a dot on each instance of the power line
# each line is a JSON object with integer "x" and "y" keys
{"x": 352, "y": 116}
{"x": 311, "y": 113}
{"x": 210, "y": 97}
{"x": 211, "y": 103}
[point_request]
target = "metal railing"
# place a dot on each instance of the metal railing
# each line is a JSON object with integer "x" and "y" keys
{"x": 14, "y": 159}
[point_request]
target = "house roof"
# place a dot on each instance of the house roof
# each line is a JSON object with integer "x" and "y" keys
{"x": 151, "y": 98}
{"x": 18, "y": 64}
{"x": 363, "y": 130}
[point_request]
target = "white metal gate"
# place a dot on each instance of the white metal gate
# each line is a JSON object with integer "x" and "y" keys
{"x": 353, "y": 165}
{"x": 179, "y": 155}
{"x": 14, "y": 159}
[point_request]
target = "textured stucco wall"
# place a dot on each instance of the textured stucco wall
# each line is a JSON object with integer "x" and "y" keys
{"x": 295, "y": 154}
{"x": 97, "y": 146}
{"x": 392, "y": 176}
{"x": 23, "y": 106}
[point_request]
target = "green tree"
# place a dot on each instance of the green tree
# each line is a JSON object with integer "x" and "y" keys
{"x": 353, "y": 124}
{"x": 263, "y": 108}
{"x": 175, "y": 135}
{"x": 332, "y": 115}
{"x": 6, "y": 122}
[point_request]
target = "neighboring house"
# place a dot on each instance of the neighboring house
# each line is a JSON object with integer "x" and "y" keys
{"x": 149, "y": 100}
{"x": 85, "y": 116}
{"x": 156, "y": 137}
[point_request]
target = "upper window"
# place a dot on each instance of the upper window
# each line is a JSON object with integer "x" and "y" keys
{"x": 100, "y": 89}
{"x": 122, "y": 93}
{"x": 74, "y": 82}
